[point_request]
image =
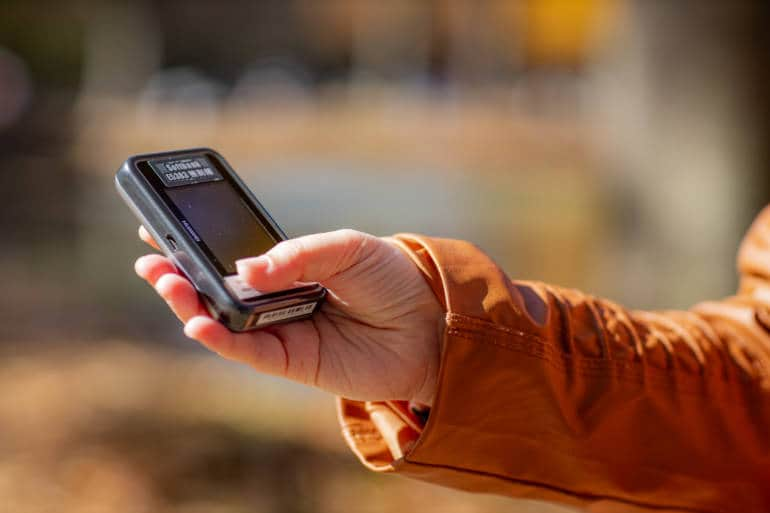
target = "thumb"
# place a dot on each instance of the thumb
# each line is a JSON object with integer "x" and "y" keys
{"x": 311, "y": 258}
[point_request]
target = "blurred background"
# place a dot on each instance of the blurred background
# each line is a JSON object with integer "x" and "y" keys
{"x": 616, "y": 146}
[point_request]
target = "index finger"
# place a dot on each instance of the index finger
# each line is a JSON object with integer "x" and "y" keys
{"x": 146, "y": 237}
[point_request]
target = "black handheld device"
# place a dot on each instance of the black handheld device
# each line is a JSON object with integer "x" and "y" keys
{"x": 205, "y": 218}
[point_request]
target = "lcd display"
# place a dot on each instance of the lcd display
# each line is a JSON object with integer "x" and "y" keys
{"x": 222, "y": 221}
{"x": 213, "y": 210}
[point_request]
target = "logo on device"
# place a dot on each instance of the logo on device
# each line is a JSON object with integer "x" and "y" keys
{"x": 186, "y": 171}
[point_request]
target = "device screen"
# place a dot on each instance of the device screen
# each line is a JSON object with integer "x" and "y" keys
{"x": 212, "y": 208}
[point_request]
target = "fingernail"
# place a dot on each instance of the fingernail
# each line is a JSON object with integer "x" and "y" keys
{"x": 245, "y": 265}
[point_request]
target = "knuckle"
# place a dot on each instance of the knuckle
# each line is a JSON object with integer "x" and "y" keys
{"x": 350, "y": 237}
{"x": 295, "y": 250}
{"x": 357, "y": 245}
{"x": 349, "y": 233}
{"x": 354, "y": 241}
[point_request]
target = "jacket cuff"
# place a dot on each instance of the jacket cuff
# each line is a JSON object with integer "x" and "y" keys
{"x": 383, "y": 433}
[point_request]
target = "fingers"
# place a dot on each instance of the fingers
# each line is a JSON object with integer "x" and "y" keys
{"x": 261, "y": 350}
{"x": 146, "y": 237}
{"x": 258, "y": 349}
{"x": 317, "y": 257}
{"x": 180, "y": 296}
{"x": 178, "y": 293}
{"x": 152, "y": 267}
{"x": 285, "y": 350}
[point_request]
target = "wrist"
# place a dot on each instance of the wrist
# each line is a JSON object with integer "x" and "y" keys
{"x": 427, "y": 328}
{"x": 426, "y": 391}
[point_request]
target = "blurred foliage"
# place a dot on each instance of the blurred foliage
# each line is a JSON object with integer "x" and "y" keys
{"x": 115, "y": 428}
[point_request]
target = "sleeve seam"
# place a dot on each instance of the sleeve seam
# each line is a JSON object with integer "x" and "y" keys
{"x": 572, "y": 493}
{"x": 634, "y": 371}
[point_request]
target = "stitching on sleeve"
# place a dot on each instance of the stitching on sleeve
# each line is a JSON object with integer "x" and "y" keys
{"x": 633, "y": 371}
{"x": 582, "y": 496}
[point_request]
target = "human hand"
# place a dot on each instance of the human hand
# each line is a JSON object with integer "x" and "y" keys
{"x": 377, "y": 337}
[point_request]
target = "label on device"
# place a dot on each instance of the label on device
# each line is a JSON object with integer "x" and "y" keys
{"x": 185, "y": 171}
{"x": 285, "y": 313}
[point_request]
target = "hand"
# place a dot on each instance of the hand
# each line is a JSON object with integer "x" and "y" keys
{"x": 375, "y": 338}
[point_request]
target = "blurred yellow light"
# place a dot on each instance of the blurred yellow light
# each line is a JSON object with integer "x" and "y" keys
{"x": 566, "y": 31}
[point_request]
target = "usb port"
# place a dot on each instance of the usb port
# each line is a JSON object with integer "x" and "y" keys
{"x": 171, "y": 242}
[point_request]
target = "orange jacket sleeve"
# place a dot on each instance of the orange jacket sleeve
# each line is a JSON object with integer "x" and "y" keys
{"x": 552, "y": 394}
